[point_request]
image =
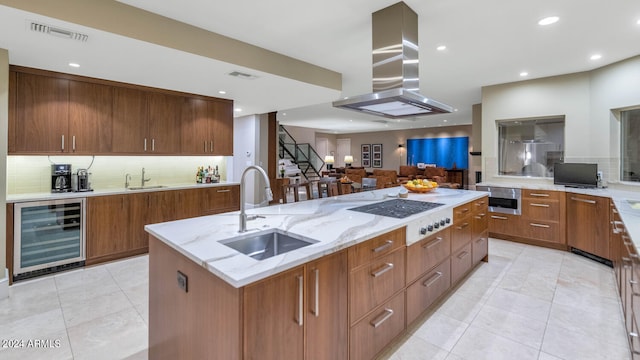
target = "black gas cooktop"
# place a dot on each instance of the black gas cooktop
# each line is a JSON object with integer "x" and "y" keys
{"x": 397, "y": 208}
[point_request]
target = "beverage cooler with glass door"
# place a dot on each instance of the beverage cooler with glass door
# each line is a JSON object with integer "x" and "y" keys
{"x": 48, "y": 237}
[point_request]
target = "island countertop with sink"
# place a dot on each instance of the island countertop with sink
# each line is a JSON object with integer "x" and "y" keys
{"x": 326, "y": 222}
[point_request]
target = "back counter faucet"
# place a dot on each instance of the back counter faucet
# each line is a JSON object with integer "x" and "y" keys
{"x": 267, "y": 190}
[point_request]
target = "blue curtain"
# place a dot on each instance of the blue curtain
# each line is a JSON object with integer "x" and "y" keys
{"x": 444, "y": 152}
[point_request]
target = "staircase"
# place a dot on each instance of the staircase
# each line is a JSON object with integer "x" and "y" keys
{"x": 303, "y": 155}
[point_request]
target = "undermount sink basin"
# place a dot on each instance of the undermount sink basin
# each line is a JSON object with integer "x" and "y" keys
{"x": 265, "y": 245}
{"x": 146, "y": 187}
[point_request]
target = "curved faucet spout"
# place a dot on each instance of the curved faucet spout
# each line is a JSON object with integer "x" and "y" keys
{"x": 267, "y": 190}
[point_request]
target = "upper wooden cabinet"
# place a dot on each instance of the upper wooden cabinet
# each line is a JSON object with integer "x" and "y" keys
{"x": 41, "y": 118}
{"x": 54, "y": 113}
{"x": 207, "y": 127}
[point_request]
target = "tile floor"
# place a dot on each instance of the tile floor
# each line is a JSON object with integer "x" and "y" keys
{"x": 526, "y": 303}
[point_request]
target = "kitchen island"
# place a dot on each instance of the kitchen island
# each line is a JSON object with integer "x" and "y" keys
{"x": 346, "y": 295}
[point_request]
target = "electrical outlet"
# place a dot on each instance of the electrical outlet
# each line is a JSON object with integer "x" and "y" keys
{"x": 183, "y": 282}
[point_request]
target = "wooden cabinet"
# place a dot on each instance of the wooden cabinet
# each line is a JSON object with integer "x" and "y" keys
{"x": 588, "y": 224}
{"x": 115, "y": 223}
{"x": 427, "y": 253}
{"x": 369, "y": 336}
{"x": 543, "y": 214}
{"x": 53, "y": 113}
{"x": 278, "y": 311}
{"x": 146, "y": 122}
{"x": 424, "y": 292}
{"x": 504, "y": 224}
{"x": 461, "y": 262}
{"x": 480, "y": 230}
{"x": 207, "y": 127}
{"x": 41, "y": 118}
{"x": 461, "y": 227}
{"x": 90, "y": 118}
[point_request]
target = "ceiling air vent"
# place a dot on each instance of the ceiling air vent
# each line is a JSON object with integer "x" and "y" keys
{"x": 242, "y": 75}
{"x": 58, "y": 32}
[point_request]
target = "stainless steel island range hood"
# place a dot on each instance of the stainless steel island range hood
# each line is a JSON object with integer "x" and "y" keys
{"x": 395, "y": 69}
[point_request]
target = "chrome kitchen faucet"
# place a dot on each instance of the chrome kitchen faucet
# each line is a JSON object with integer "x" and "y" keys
{"x": 268, "y": 195}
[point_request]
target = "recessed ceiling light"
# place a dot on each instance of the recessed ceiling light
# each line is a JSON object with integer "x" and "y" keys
{"x": 638, "y": 22}
{"x": 76, "y": 65}
{"x": 524, "y": 73}
{"x": 595, "y": 57}
{"x": 222, "y": 92}
{"x": 548, "y": 20}
{"x": 441, "y": 48}
{"x": 445, "y": 120}
{"x": 237, "y": 109}
{"x": 284, "y": 114}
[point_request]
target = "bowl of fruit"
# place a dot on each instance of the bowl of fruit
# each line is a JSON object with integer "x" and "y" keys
{"x": 421, "y": 185}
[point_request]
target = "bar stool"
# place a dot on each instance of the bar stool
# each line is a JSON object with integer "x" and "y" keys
{"x": 295, "y": 187}
{"x": 324, "y": 185}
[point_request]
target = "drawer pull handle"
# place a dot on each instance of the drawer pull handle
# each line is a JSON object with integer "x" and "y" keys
{"x": 223, "y": 191}
{"x": 480, "y": 216}
{"x": 499, "y": 217}
{"x": 300, "y": 300}
{"x": 583, "y": 200}
{"x": 316, "y": 310}
{"x": 463, "y": 254}
{"x": 386, "y": 267}
{"x": 462, "y": 226}
{"x": 383, "y": 247}
{"x": 539, "y": 195}
{"x": 633, "y": 292}
{"x": 432, "y": 279}
{"x": 540, "y": 225}
{"x": 480, "y": 203}
{"x": 540, "y": 205}
{"x": 433, "y": 243}
{"x": 387, "y": 314}
{"x": 479, "y": 240}
{"x": 633, "y": 350}
{"x": 464, "y": 210}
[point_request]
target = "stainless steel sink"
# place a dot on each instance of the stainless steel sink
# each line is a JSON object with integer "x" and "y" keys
{"x": 146, "y": 187}
{"x": 265, "y": 245}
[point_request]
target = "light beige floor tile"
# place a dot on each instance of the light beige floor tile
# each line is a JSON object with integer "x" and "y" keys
{"x": 40, "y": 347}
{"x": 33, "y": 326}
{"x": 520, "y": 304}
{"x": 461, "y": 308}
{"x": 130, "y": 272}
{"x": 512, "y": 326}
{"x": 563, "y": 342}
{"x": 417, "y": 349}
{"x": 83, "y": 285}
{"x": 114, "y": 336}
{"x": 441, "y": 330}
{"x": 590, "y": 324}
{"x": 138, "y": 294}
{"x": 29, "y": 298}
{"x": 76, "y": 313}
{"x": 545, "y": 356}
{"x": 479, "y": 344}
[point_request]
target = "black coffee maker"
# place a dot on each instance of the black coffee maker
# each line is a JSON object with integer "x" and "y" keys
{"x": 60, "y": 178}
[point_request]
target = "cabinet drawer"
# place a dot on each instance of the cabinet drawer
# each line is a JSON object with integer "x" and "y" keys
{"x": 373, "y": 284}
{"x": 541, "y": 209}
{"x": 480, "y": 247}
{"x": 504, "y": 224}
{"x": 425, "y": 254}
{"x": 479, "y": 224}
{"x": 542, "y": 194}
{"x": 460, "y": 234}
{"x": 373, "y": 333}
{"x": 422, "y": 293}
{"x": 480, "y": 205}
{"x": 462, "y": 211}
{"x": 461, "y": 262}
{"x": 541, "y": 230}
{"x": 379, "y": 246}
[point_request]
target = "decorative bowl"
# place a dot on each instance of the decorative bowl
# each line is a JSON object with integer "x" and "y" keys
{"x": 422, "y": 190}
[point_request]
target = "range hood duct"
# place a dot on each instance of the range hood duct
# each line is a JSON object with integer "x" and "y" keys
{"x": 395, "y": 69}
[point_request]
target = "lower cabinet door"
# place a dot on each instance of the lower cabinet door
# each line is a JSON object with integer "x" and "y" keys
{"x": 422, "y": 293}
{"x": 461, "y": 262}
{"x": 480, "y": 247}
{"x": 371, "y": 334}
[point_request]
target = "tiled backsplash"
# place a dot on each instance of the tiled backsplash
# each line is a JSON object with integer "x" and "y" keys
{"x": 32, "y": 174}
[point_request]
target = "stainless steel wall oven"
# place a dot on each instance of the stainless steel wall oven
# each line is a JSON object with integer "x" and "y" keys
{"x": 48, "y": 236}
{"x": 502, "y": 199}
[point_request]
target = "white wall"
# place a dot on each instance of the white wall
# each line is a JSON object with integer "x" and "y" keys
{"x": 586, "y": 99}
{"x": 4, "y": 121}
{"x": 250, "y": 147}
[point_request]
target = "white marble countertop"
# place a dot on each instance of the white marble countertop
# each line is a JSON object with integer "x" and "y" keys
{"x": 621, "y": 198}
{"x": 114, "y": 191}
{"x": 326, "y": 221}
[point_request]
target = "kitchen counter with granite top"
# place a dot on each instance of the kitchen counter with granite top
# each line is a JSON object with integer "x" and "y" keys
{"x": 103, "y": 192}
{"x": 328, "y": 221}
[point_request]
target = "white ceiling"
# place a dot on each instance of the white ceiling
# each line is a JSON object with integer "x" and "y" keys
{"x": 488, "y": 42}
